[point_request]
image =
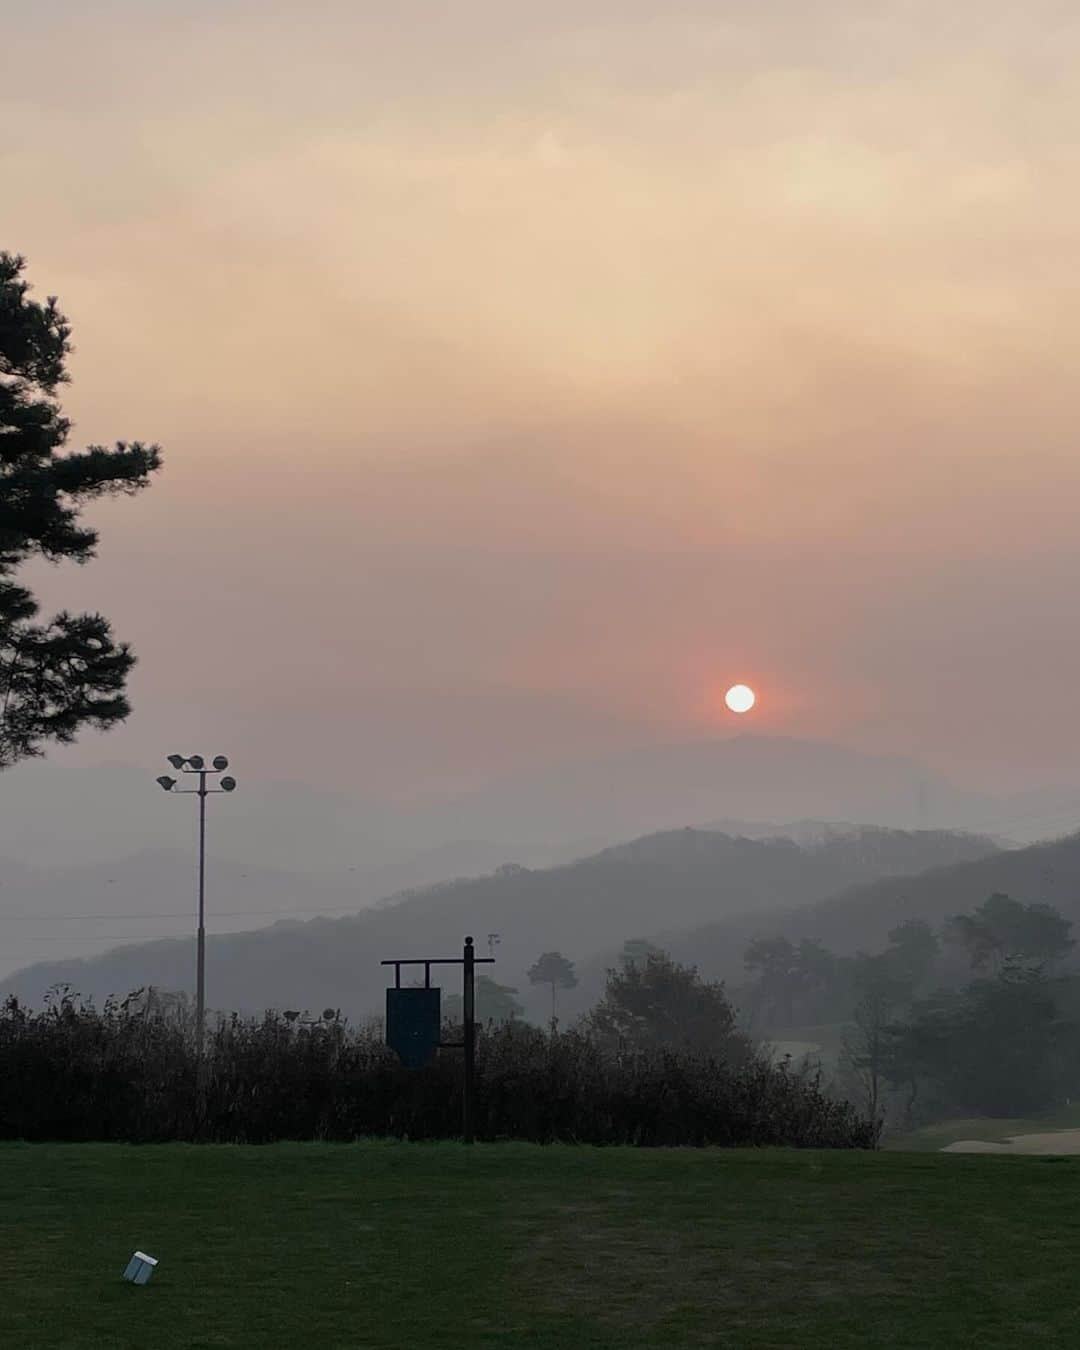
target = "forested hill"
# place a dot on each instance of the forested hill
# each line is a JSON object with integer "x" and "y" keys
{"x": 859, "y": 919}
{"x": 676, "y": 880}
{"x": 831, "y": 854}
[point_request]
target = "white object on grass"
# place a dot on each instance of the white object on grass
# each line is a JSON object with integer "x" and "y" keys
{"x": 140, "y": 1268}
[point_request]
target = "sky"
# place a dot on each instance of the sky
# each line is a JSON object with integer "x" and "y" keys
{"x": 525, "y": 375}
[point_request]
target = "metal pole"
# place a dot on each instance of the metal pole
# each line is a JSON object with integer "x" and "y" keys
{"x": 469, "y": 1008}
{"x": 200, "y": 991}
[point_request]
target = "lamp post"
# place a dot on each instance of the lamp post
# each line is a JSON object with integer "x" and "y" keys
{"x": 196, "y": 765}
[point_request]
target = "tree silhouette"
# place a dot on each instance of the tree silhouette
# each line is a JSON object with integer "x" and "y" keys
{"x": 868, "y": 1045}
{"x": 553, "y": 968}
{"x": 636, "y": 951}
{"x": 775, "y": 960}
{"x": 494, "y": 1003}
{"x": 661, "y": 1004}
{"x": 913, "y": 949}
{"x": 69, "y": 672}
{"x": 794, "y": 981}
{"x": 1003, "y": 932}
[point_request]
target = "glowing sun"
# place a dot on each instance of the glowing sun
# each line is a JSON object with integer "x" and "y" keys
{"x": 740, "y": 698}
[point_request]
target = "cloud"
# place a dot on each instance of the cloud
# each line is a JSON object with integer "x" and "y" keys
{"x": 580, "y": 351}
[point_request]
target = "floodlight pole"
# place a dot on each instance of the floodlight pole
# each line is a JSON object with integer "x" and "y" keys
{"x": 196, "y": 765}
{"x": 200, "y": 943}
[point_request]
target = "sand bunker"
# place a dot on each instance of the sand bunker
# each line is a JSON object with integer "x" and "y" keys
{"x": 1058, "y": 1141}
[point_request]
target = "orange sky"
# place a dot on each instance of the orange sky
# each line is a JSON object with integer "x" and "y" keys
{"x": 525, "y": 376}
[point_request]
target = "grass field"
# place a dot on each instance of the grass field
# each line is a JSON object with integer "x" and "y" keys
{"x": 417, "y": 1246}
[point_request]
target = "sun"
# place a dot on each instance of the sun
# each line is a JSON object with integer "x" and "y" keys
{"x": 740, "y": 698}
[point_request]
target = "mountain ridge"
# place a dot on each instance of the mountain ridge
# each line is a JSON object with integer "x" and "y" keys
{"x": 860, "y": 916}
{"x": 685, "y": 876}
{"x": 52, "y": 812}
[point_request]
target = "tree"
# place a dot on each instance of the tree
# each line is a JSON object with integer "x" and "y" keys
{"x": 816, "y": 970}
{"x": 662, "y": 1005}
{"x": 807, "y": 976}
{"x": 494, "y": 1003}
{"x": 775, "y": 961}
{"x": 59, "y": 676}
{"x": 1003, "y": 932}
{"x": 867, "y": 1048}
{"x": 996, "y": 1048}
{"x": 553, "y": 968}
{"x": 885, "y": 984}
{"x": 880, "y": 977}
{"x": 636, "y": 951}
{"x": 913, "y": 948}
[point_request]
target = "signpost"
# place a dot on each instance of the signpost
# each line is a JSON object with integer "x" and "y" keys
{"x": 414, "y": 1021}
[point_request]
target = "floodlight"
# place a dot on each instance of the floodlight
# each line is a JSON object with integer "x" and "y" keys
{"x": 186, "y": 764}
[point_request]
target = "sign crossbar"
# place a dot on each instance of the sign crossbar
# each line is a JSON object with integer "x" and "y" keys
{"x": 428, "y": 961}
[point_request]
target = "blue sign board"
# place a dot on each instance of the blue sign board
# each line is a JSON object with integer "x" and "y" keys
{"x": 413, "y": 1024}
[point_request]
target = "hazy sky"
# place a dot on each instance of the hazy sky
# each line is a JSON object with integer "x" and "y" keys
{"x": 528, "y": 373}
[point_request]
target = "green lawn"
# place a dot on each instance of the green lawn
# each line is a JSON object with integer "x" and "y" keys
{"x": 414, "y": 1246}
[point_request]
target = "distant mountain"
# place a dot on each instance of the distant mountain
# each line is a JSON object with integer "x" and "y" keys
{"x": 51, "y": 813}
{"x": 675, "y": 879}
{"x": 53, "y": 912}
{"x": 55, "y": 815}
{"x": 748, "y": 777}
{"x": 49, "y": 913}
{"x": 828, "y": 852}
{"x": 859, "y": 918}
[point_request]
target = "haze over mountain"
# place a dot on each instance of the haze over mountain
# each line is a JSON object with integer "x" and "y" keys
{"x": 673, "y": 879}
{"x": 57, "y": 813}
{"x": 80, "y": 846}
{"x": 859, "y": 919}
{"x": 53, "y": 913}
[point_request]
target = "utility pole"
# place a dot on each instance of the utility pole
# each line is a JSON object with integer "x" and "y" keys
{"x": 196, "y": 765}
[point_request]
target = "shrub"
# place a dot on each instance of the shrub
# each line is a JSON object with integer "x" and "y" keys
{"x": 129, "y": 1072}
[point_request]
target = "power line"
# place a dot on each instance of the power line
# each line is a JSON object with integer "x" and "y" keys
{"x": 120, "y": 937}
{"x": 105, "y": 937}
{"x": 300, "y": 914}
{"x": 185, "y": 914}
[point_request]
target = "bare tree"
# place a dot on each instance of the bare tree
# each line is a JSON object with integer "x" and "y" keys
{"x": 866, "y": 1045}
